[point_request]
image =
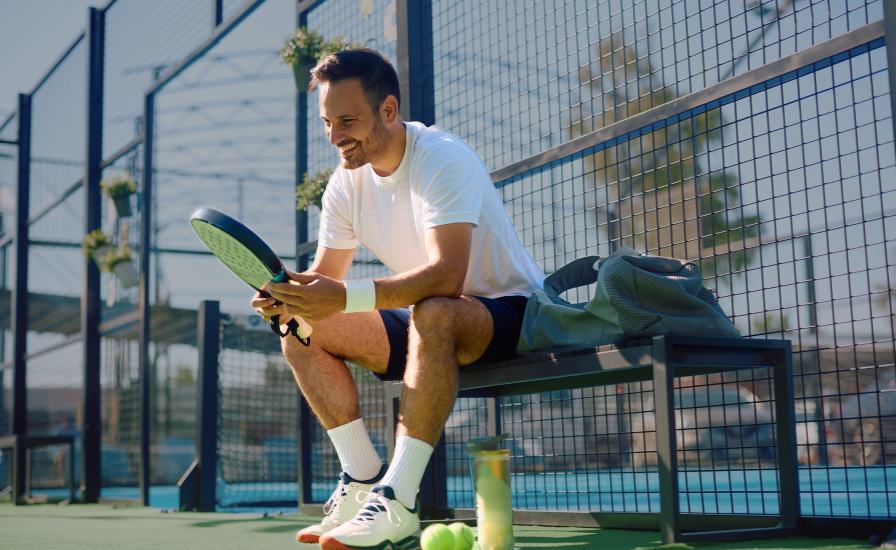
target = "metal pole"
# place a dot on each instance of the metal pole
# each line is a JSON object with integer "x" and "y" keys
{"x": 20, "y": 293}
{"x": 301, "y": 155}
{"x": 218, "y": 14}
{"x": 3, "y": 419}
{"x": 820, "y": 428}
{"x": 90, "y": 296}
{"x": 415, "y": 60}
{"x": 145, "y": 305}
{"x": 667, "y": 463}
{"x": 890, "y": 38}
{"x": 209, "y": 343}
{"x": 306, "y": 416}
{"x": 414, "y": 66}
{"x": 5, "y": 426}
{"x": 785, "y": 424}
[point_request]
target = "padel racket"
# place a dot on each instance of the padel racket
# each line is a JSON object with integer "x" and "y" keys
{"x": 248, "y": 257}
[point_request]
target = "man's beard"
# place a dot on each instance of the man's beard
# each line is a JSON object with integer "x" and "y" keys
{"x": 375, "y": 146}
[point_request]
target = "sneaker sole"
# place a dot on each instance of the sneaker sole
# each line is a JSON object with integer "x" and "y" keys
{"x": 307, "y": 539}
{"x": 409, "y": 543}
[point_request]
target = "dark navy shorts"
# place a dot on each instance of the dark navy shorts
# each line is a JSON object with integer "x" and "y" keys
{"x": 507, "y": 317}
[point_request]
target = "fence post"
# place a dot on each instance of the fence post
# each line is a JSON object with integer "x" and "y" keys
{"x": 217, "y": 13}
{"x": 306, "y": 416}
{"x": 91, "y": 428}
{"x": 890, "y": 37}
{"x": 20, "y": 294}
{"x": 208, "y": 332}
{"x": 145, "y": 305}
{"x": 414, "y": 65}
{"x": 415, "y": 60}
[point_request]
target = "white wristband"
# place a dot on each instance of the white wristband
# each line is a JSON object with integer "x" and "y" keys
{"x": 360, "y": 296}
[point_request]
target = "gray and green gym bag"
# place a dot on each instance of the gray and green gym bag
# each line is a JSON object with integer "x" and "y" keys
{"x": 636, "y": 296}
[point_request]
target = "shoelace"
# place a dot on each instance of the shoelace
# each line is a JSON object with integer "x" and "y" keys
{"x": 332, "y": 504}
{"x": 376, "y": 503}
{"x": 338, "y": 497}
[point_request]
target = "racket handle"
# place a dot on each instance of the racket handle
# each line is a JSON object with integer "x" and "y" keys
{"x": 296, "y": 326}
{"x": 304, "y": 329}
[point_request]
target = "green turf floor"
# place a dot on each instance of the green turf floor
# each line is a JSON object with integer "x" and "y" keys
{"x": 105, "y": 527}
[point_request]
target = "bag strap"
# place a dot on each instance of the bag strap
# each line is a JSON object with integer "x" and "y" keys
{"x": 576, "y": 273}
{"x": 656, "y": 264}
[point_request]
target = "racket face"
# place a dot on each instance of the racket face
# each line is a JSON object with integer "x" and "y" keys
{"x": 238, "y": 248}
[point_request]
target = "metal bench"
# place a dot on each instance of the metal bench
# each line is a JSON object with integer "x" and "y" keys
{"x": 660, "y": 359}
{"x": 21, "y": 446}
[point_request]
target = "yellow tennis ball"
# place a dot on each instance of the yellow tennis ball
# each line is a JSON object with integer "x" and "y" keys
{"x": 463, "y": 535}
{"x": 437, "y": 537}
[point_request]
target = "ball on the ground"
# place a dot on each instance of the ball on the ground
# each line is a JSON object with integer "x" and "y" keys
{"x": 437, "y": 537}
{"x": 463, "y": 535}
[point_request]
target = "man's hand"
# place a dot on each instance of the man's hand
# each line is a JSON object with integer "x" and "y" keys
{"x": 311, "y": 296}
{"x": 267, "y": 307}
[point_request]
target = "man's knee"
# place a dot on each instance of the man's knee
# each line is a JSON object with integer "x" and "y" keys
{"x": 359, "y": 337}
{"x": 298, "y": 354}
{"x": 293, "y": 351}
{"x": 435, "y": 316}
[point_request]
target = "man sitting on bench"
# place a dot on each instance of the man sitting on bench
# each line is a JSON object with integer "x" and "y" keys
{"x": 423, "y": 202}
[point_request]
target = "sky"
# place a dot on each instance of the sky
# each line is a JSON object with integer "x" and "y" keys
{"x": 33, "y": 36}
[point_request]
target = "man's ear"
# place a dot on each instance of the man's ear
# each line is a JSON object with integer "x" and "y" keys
{"x": 389, "y": 109}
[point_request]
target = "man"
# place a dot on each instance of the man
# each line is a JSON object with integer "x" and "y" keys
{"x": 423, "y": 202}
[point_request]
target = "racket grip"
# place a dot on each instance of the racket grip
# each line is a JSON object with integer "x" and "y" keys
{"x": 304, "y": 328}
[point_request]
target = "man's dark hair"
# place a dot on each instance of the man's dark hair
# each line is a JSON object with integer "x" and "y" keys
{"x": 378, "y": 77}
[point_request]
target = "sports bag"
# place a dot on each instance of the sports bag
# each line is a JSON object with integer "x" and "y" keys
{"x": 636, "y": 296}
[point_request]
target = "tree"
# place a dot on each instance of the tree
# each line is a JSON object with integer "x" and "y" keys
{"x": 183, "y": 376}
{"x": 658, "y": 191}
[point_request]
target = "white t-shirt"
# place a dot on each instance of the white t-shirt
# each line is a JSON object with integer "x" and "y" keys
{"x": 440, "y": 180}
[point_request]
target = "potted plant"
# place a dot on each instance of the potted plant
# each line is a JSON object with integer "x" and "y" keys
{"x": 96, "y": 245}
{"x": 304, "y": 49}
{"x": 120, "y": 262}
{"x": 119, "y": 189}
{"x": 311, "y": 190}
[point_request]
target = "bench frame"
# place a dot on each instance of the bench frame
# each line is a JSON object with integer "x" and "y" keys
{"x": 660, "y": 359}
{"x": 20, "y": 464}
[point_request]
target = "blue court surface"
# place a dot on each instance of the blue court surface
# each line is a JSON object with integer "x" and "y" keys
{"x": 857, "y": 492}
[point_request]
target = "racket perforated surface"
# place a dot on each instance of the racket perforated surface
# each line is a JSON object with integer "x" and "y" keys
{"x": 248, "y": 257}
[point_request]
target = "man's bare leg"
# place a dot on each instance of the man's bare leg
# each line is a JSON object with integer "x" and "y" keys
{"x": 320, "y": 369}
{"x": 444, "y": 333}
{"x": 330, "y": 390}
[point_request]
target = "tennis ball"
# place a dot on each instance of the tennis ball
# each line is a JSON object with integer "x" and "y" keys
{"x": 437, "y": 537}
{"x": 463, "y": 535}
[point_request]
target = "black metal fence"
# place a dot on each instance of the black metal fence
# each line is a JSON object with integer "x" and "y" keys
{"x": 755, "y": 140}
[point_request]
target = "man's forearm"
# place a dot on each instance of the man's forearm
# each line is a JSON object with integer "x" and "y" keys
{"x": 411, "y": 287}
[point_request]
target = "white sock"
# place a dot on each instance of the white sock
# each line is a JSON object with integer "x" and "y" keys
{"x": 406, "y": 470}
{"x": 356, "y": 454}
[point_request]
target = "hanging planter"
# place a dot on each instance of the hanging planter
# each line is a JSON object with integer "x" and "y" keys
{"x": 311, "y": 190}
{"x": 301, "y": 72}
{"x": 96, "y": 245}
{"x": 122, "y": 206}
{"x": 120, "y": 263}
{"x": 127, "y": 274}
{"x": 119, "y": 189}
{"x": 303, "y": 50}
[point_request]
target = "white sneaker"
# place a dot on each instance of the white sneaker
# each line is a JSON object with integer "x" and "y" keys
{"x": 382, "y": 524}
{"x": 342, "y": 506}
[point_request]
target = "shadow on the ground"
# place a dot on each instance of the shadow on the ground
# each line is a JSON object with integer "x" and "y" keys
{"x": 616, "y": 539}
